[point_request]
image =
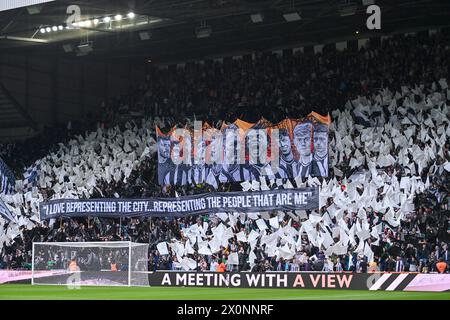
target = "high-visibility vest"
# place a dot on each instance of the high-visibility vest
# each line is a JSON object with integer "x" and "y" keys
{"x": 441, "y": 266}
{"x": 221, "y": 267}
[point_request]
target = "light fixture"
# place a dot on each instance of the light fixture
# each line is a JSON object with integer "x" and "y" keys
{"x": 145, "y": 35}
{"x": 292, "y": 16}
{"x": 357, "y": 32}
{"x": 118, "y": 17}
{"x": 131, "y": 15}
{"x": 257, "y": 18}
{"x": 96, "y": 21}
{"x": 67, "y": 47}
{"x": 55, "y": 28}
{"x": 81, "y": 24}
{"x": 60, "y": 27}
{"x": 84, "y": 48}
{"x": 87, "y": 23}
{"x": 48, "y": 29}
{"x": 347, "y": 8}
{"x": 203, "y": 31}
{"x": 34, "y": 9}
{"x": 107, "y": 19}
{"x": 42, "y": 30}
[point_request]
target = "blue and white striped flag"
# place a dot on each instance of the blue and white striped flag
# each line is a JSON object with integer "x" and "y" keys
{"x": 5, "y": 213}
{"x": 7, "y": 180}
{"x": 31, "y": 176}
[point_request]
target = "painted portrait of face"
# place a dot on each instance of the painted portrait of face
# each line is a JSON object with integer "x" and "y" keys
{"x": 302, "y": 139}
{"x": 187, "y": 148}
{"x": 285, "y": 143}
{"x": 176, "y": 149}
{"x": 320, "y": 140}
{"x": 200, "y": 154}
{"x": 232, "y": 147}
{"x": 257, "y": 146}
{"x": 215, "y": 151}
{"x": 163, "y": 149}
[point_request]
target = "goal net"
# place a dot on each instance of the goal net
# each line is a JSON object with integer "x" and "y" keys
{"x": 118, "y": 263}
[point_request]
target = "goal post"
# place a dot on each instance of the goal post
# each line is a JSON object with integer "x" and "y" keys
{"x": 129, "y": 264}
{"x": 108, "y": 263}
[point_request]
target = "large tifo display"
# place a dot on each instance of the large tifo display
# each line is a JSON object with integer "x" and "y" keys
{"x": 289, "y": 199}
{"x": 244, "y": 151}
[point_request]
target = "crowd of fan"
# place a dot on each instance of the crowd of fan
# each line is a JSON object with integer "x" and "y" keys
{"x": 273, "y": 87}
{"x": 267, "y": 86}
{"x": 291, "y": 86}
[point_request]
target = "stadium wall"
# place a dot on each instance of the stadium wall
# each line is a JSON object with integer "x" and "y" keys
{"x": 273, "y": 280}
{"x": 305, "y": 280}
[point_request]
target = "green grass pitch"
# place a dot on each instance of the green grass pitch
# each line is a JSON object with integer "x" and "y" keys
{"x": 27, "y": 292}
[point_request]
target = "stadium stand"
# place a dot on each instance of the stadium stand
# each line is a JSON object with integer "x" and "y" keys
{"x": 389, "y": 163}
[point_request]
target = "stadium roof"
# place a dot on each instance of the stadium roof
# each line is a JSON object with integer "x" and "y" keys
{"x": 180, "y": 30}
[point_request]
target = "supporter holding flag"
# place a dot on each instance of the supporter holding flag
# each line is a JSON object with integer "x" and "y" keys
{"x": 5, "y": 213}
{"x": 7, "y": 180}
{"x": 31, "y": 176}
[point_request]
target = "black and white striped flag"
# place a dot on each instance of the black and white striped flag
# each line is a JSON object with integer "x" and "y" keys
{"x": 7, "y": 180}
{"x": 5, "y": 213}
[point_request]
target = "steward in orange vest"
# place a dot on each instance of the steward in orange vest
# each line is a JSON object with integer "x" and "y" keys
{"x": 441, "y": 266}
{"x": 221, "y": 267}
